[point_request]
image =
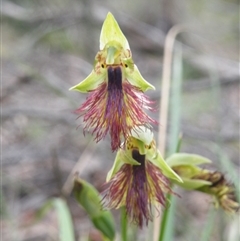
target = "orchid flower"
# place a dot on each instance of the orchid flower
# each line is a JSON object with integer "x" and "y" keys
{"x": 116, "y": 101}
{"x": 139, "y": 177}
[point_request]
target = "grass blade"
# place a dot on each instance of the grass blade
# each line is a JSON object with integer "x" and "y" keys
{"x": 64, "y": 220}
{"x": 208, "y": 227}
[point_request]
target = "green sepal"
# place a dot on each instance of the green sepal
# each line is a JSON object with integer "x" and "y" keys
{"x": 135, "y": 78}
{"x": 178, "y": 159}
{"x": 92, "y": 81}
{"x": 167, "y": 170}
{"x": 112, "y": 32}
{"x": 192, "y": 184}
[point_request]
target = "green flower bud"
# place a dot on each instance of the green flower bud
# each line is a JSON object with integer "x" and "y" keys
{"x": 203, "y": 180}
{"x": 89, "y": 198}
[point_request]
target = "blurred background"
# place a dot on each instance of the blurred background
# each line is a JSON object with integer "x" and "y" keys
{"x": 49, "y": 46}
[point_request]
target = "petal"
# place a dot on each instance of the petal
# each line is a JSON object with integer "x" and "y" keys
{"x": 122, "y": 157}
{"x": 127, "y": 158}
{"x": 167, "y": 171}
{"x": 90, "y": 83}
{"x": 136, "y": 79}
{"x": 112, "y": 32}
{"x": 116, "y": 166}
{"x": 143, "y": 134}
{"x": 178, "y": 159}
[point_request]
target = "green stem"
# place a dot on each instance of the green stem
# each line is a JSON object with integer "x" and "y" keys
{"x": 124, "y": 223}
{"x": 165, "y": 218}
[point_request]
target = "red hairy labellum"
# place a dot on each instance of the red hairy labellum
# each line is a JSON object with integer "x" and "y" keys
{"x": 115, "y": 107}
{"x": 137, "y": 187}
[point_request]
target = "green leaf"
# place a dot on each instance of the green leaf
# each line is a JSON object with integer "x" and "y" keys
{"x": 168, "y": 219}
{"x": 64, "y": 220}
{"x": 178, "y": 159}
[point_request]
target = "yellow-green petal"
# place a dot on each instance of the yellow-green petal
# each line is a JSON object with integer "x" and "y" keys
{"x": 112, "y": 32}
{"x": 135, "y": 78}
{"x": 122, "y": 157}
{"x": 116, "y": 166}
{"x": 92, "y": 81}
{"x": 166, "y": 170}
